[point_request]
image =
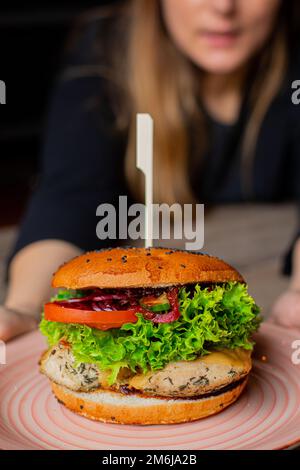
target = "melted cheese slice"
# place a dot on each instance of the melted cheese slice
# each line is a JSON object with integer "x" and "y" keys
{"x": 228, "y": 357}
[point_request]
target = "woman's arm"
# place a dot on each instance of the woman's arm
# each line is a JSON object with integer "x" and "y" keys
{"x": 286, "y": 310}
{"x": 29, "y": 284}
{"x": 81, "y": 168}
{"x": 31, "y": 271}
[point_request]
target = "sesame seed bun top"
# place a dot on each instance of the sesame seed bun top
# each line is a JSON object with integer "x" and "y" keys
{"x": 140, "y": 267}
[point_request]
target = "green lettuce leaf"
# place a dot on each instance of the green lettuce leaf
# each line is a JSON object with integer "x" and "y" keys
{"x": 222, "y": 317}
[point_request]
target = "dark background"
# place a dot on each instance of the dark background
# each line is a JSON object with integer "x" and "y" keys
{"x": 32, "y": 37}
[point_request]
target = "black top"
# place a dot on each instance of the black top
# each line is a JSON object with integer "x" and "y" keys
{"x": 82, "y": 157}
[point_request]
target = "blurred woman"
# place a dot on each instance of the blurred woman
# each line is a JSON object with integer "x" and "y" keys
{"x": 216, "y": 77}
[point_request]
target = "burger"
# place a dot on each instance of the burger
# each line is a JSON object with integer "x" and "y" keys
{"x": 148, "y": 336}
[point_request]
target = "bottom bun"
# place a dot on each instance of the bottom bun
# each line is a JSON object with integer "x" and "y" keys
{"x": 114, "y": 407}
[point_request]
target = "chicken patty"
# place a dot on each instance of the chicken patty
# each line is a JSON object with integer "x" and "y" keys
{"x": 177, "y": 379}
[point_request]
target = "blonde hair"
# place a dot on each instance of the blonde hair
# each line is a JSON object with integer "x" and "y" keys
{"x": 162, "y": 82}
{"x": 154, "y": 77}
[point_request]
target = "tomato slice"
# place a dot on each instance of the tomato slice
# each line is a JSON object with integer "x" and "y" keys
{"x": 101, "y": 320}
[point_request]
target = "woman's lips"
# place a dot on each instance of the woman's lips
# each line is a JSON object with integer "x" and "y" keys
{"x": 220, "y": 39}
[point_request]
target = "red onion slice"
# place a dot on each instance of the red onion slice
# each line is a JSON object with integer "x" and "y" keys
{"x": 101, "y": 301}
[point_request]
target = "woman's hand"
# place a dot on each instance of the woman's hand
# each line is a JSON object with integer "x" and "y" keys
{"x": 30, "y": 278}
{"x": 14, "y": 323}
{"x": 286, "y": 310}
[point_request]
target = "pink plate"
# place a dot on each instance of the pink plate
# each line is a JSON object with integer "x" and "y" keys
{"x": 267, "y": 415}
